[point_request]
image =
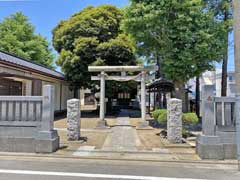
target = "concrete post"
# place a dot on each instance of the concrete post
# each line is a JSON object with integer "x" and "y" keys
{"x": 73, "y": 119}
{"x": 237, "y": 114}
{"x": 102, "y": 96}
{"x": 209, "y": 145}
{"x": 102, "y": 123}
{"x": 48, "y": 108}
{"x": 143, "y": 96}
{"x": 236, "y": 27}
{"x": 174, "y": 120}
{"x": 47, "y": 139}
{"x": 208, "y": 121}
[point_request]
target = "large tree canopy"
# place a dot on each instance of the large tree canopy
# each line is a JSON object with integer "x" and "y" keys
{"x": 91, "y": 37}
{"x": 183, "y": 33}
{"x": 17, "y": 37}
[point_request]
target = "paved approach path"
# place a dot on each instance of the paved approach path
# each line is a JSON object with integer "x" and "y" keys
{"x": 123, "y": 136}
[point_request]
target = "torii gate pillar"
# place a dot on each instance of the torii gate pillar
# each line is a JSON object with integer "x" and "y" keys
{"x": 102, "y": 96}
{"x": 102, "y": 122}
{"x": 143, "y": 97}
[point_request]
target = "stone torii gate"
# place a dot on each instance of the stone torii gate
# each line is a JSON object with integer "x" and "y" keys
{"x": 141, "y": 77}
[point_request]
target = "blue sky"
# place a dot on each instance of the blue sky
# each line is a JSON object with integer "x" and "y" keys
{"x": 45, "y": 14}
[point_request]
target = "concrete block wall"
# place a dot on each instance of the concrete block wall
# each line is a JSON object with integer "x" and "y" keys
{"x": 26, "y": 123}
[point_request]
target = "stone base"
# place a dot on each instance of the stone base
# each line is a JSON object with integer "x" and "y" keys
{"x": 212, "y": 147}
{"x": 12, "y": 144}
{"x": 230, "y": 151}
{"x": 209, "y": 147}
{"x": 102, "y": 124}
{"x": 45, "y": 142}
{"x": 28, "y": 145}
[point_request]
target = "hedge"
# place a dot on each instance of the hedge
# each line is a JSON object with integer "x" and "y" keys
{"x": 161, "y": 116}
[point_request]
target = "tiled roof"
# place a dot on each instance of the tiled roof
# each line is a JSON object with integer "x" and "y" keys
{"x": 28, "y": 64}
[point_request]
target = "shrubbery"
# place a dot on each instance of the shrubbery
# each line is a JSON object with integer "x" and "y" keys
{"x": 187, "y": 119}
{"x": 156, "y": 113}
{"x": 160, "y": 115}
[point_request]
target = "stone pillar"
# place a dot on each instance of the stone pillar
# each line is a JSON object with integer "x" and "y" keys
{"x": 143, "y": 96}
{"x": 209, "y": 145}
{"x": 236, "y": 10}
{"x": 102, "y": 123}
{"x": 174, "y": 122}
{"x": 47, "y": 139}
{"x": 149, "y": 102}
{"x": 102, "y": 96}
{"x": 208, "y": 121}
{"x": 237, "y": 114}
{"x": 143, "y": 123}
{"x": 73, "y": 119}
{"x": 48, "y": 107}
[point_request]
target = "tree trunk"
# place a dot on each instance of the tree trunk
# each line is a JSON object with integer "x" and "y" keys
{"x": 225, "y": 62}
{"x": 224, "y": 76}
{"x": 76, "y": 93}
{"x": 180, "y": 94}
{"x": 197, "y": 100}
{"x": 158, "y": 75}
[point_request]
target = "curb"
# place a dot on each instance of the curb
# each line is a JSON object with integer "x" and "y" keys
{"x": 28, "y": 155}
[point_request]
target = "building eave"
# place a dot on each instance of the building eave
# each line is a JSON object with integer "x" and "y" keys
{"x": 17, "y": 62}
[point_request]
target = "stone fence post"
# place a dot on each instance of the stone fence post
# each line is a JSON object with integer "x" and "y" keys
{"x": 47, "y": 139}
{"x": 174, "y": 120}
{"x": 73, "y": 119}
{"x": 208, "y": 121}
{"x": 48, "y": 108}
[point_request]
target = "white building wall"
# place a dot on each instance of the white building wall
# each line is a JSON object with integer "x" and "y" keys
{"x": 66, "y": 95}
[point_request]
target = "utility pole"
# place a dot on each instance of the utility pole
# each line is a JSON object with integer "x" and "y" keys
{"x": 236, "y": 26}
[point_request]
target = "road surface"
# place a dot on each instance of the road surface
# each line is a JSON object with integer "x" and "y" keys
{"x": 23, "y": 168}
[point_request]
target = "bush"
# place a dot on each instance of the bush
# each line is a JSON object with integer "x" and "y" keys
{"x": 156, "y": 113}
{"x": 189, "y": 118}
{"x": 162, "y": 118}
{"x": 160, "y": 115}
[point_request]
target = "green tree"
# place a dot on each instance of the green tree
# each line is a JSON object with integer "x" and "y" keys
{"x": 223, "y": 12}
{"x": 183, "y": 33}
{"x": 17, "y": 37}
{"x": 92, "y": 37}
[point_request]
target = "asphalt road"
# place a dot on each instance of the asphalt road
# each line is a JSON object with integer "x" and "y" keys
{"x": 22, "y": 168}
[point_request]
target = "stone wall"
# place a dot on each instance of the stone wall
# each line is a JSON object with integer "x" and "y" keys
{"x": 174, "y": 122}
{"x": 73, "y": 120}
{"x": 218, "y": 140}
{"x": 26, "y": 123}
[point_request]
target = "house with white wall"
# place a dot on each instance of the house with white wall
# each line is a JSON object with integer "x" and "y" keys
{"x": 20, "y": 77}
